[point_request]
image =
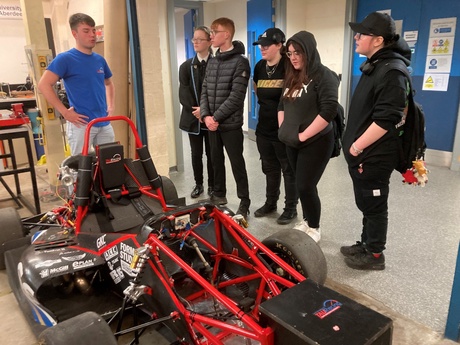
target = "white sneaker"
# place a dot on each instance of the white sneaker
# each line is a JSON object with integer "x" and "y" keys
{"x": 314, "y": 233}
{"x": 302, "y": 226}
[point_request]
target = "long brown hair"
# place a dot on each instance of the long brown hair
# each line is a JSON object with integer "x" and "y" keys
{"x": 294, "y": 79}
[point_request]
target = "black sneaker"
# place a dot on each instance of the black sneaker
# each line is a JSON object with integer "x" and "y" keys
{"x": 218, "y": 200}
{"x": 286, "y": 217}
{"x": 264, "y": 210}
{"x": 210, "y": 191}
{"x": 366, "y": 261}
{"x": 197, "y": 191}
{"x": 350, "y": 251}
{"x": 243, "y": 210}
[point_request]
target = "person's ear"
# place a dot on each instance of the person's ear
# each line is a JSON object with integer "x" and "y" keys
{"x": 378, "y": 41}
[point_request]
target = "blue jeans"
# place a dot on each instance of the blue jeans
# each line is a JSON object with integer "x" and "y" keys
{"x": 97, "y": 136}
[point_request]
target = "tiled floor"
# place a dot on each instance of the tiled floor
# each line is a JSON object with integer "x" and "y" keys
{"x": 414, "y": 289}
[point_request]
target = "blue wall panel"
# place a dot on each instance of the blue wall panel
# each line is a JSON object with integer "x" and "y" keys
{"x": 441, "y": 108}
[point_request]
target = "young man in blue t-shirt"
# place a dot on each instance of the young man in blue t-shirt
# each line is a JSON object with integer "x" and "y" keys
{"x": 88, "y": 83}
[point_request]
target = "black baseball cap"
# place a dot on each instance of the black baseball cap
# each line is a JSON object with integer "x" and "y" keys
{"x": 270, "y": 36}
{"x": 377, "y": 24}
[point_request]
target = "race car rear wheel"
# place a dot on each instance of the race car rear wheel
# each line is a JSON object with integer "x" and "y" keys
{"x": 11, "y": 230}
{"x": 87, "y": 328}
{"x": 300, "y": 251}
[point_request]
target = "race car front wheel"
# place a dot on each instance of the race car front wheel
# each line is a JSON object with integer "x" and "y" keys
{"x": 299, "y": 251}
{"x": 11, "y": 230}
{"x": 87, "y": 328}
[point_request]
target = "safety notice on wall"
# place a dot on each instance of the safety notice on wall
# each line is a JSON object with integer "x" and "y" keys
{"x": 439, "y": 54}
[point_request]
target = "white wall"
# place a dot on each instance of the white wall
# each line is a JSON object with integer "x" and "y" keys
{"x": 13, "y": 63}
{"x": 180, "y": 37}
{"x": 326, "y": 20}
{"x": 93, "y": 8}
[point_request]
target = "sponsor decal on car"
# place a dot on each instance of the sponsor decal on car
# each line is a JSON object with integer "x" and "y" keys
{"x": 44, "y": 273}
{"x": 329, "y": 306}
{"x": 126, "y": 256}
{"x": 115, "y": 158}
{"x": 58, "y": 270}
{"x": 48, "y": 263}
{"x": 117, "y": 275}
{"x": 110, "y": 253}
{"x": 74, "y": 257}
{"x": 100, "y": 242}
{"x": 83, "y": 264}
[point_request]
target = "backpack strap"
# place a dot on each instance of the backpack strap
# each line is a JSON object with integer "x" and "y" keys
{"x": 398, "y": 65}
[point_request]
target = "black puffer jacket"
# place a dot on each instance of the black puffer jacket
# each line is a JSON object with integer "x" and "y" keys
{"x": 224, "y": 87}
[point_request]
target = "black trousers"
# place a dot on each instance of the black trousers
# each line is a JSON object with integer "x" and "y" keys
{"x": 309, "y": 163}
{"x": 232, "y": 141}
{"x": 371, "y": 185}
{"x": 196, "y": 145}
{"x": 275, "y": 161}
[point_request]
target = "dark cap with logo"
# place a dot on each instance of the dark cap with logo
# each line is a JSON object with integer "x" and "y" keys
{"x": 377, "y": 24}
{"x": 270, "y": 36}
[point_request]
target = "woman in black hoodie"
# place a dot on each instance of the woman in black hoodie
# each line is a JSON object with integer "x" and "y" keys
{"x": 307, "y": 107}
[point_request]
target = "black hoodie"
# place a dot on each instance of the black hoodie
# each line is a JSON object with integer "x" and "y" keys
{"x": 319, "y": 96}
{"x": 381, "y": 99}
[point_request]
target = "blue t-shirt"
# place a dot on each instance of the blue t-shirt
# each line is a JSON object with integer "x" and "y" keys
{"x": 84, "y": 76}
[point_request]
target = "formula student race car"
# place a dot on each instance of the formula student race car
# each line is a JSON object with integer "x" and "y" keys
{"x": 124, "y": 248}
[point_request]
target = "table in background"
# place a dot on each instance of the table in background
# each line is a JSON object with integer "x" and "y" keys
{"x": 8, "y": 135}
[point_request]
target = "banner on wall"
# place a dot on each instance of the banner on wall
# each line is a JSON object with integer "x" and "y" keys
{"x": 10, "y": 10}
{"x": 439, "y": 54}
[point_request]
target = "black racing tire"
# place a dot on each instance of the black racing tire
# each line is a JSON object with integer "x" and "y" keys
{"x": 169, "y": 190}
{"x": 301, "y": 252}
{"x": 11, "y": 230}
{"x": 88, "y": 328}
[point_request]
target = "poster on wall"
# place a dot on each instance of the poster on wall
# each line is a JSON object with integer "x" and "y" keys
{"x": 411, "y": 38}
{"x": 439, "y": 54}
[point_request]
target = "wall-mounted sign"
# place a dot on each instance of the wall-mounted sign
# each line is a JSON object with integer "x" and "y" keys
{"x": 10, "y": 10}
{"x": 100, "y": 33}
{"x": 439, "y": 54}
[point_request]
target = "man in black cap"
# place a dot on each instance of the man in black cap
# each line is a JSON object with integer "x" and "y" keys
{"x": 268, "y": 84}
{"x": 371, "y": 144}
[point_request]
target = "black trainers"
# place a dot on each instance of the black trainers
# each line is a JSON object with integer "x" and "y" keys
{"x": 350, "y": 251}
{"x": 243, "y": 210}
{"x": 286, "y": 217}
{"x": 366, "y": 261}
{"x": 197, "y": 191}
{"x": 210, "y": 191}
{"x": 218, "y": 200}
{"x": 264, "y": 210}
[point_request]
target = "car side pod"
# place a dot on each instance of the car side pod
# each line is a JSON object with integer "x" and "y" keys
{"x": 309, "y": 313}
{"x": 90, "y": 328}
